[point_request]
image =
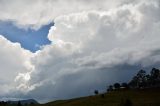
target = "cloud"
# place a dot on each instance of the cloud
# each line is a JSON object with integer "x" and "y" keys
{"x": 34, "y": 14}
{"x": 91, "y": 47}
{"x": 13, "y": 61}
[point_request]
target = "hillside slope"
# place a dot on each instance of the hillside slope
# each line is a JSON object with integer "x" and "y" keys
{"x": 145, "y": 97}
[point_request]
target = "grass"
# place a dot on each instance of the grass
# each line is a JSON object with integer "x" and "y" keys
{"x": 144, "y": 97}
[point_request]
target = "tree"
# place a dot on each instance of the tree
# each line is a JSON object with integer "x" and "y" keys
{"x": 96, "y": 92}
{"x": 19, "y": 103}
{"x": 148, "y": 80}
{"x": 125, "y": 85}
{"x": 141, "y": 75}
{"x": 142, "y": 79}
{"x": 3, "y": 103}
{"x": 116, "y": 85}
{"x": 139, "y": 80}
{"x": 155, "y": 76}
{"x": 134, "y": 82}
{"x": 110, "y": 88}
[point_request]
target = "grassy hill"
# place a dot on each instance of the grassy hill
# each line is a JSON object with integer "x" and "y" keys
{"x": 145, "y": 97}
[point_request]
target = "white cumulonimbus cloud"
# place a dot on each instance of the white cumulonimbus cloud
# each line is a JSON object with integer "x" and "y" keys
{"x": 35, "y": 13}
{"x": 90, "y": 49}
{"x": 14, "y": 60}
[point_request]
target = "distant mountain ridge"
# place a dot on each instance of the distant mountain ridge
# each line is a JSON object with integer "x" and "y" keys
{"x": 28, "y": 101}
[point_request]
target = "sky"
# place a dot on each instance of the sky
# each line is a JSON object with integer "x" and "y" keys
{"x": 61, "y": 49}
{"x": 29, "y": 39}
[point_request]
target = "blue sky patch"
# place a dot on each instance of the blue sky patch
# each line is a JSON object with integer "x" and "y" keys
{"x": 29, "y": 39}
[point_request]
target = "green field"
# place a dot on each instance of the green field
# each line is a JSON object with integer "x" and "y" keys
{"x": 145, "y": 97}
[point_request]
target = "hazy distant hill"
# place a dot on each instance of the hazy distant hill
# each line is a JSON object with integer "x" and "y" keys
{"x": 28, "y": 101}
{"x": 139, "y": 97}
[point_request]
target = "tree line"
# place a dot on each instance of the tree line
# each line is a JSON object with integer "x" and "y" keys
{"x": 18, "y": 103}
{"x": 140, "y": 80}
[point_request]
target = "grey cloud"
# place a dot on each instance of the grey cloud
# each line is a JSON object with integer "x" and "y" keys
{"x": 90, "y": 49}
{"x": 104, "y": 47}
